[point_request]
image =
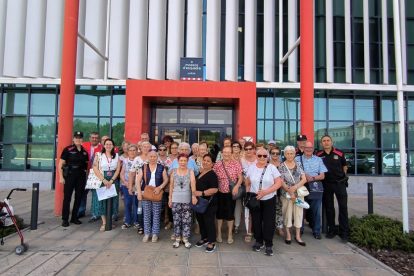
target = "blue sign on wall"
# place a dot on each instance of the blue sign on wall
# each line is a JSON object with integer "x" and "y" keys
{"x": 191, "y": 69}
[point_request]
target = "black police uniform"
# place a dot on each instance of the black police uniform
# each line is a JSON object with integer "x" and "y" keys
{"x": 298, "y": 152}
{"x": 77, "y": 163}
{"x": 335, "y": 182}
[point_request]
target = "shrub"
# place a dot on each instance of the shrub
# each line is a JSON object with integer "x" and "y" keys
{"x": 378, "y": 232}
{"x": 11, "y": 229}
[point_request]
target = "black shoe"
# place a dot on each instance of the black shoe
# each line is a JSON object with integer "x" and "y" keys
{"x": 288, "y": 242}
{"x": 81, "y": 215}
{"x": 330, "y": 235}
{"x": 209, "y": 250}
{"x": 76, "y": 221}
{"x": 344, "y": 238}
{"x": 317, "y": 236}
{"x": 201, "y": 243}
{"x": 269, "y": 251}
{"x": 257, "y": 246}
{"x": 300, "y": 243}
{"x": 65, "y": 223}
{"x": 311, "y": 225}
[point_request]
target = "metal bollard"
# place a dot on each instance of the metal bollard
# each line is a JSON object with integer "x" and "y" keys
{"x": 35, "y": 206}
{"x": 324, "y": 219}
{"x": 370, "y": 198}
{"x": 108, "y": 226}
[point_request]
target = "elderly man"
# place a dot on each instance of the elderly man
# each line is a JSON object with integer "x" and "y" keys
{"x": 314, "y": 171}
{"x": 145, "y": 138}
{"x": 301, "y": 141}
{"x": 271, "y": 144}
{"x": 184, "y": 148}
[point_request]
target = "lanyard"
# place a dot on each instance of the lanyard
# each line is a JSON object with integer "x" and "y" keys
{"x": 109, "y": 161}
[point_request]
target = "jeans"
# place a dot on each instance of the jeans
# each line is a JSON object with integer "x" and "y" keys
{"x": 314, "y": 212}
{"x": 131, "y": 206}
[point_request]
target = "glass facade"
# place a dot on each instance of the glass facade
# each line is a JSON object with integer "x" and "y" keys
{"x": 29, "y": 120}
{"x": 363, "y": 124}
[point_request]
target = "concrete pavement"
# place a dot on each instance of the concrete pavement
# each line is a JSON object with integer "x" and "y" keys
{"x": 83, "y": 250}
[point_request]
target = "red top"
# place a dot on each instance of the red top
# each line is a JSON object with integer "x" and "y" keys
{"x": 233, "y": 170}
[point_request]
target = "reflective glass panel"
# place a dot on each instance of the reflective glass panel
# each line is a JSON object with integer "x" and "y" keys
{"x": 365, "y": 162}
{"x": 411, "y": 162}
{"x": 104, "y": 105}
{"x": 42, "y": 129}
{"x": 15, "y": 102}
{"x": 410, "y": 135}
{"x": 42, "y": 104}
{"x": 118, "y": 105}
{"x": 341, "y": 133}
{"x": 287, "y": 107}
{"x": 366, "y": 135}
{"x": 220, "y": 115}
{"x": 86, "y": 125}
{"x": 320, "y": 106}
{"x": 365, "y": 109}
{"x": 391, "y": 162}
{"x": 12, "y": 157}
{"x": 40, "y": 157}
{"x": 118, "y": 131}
{"x": 229, "y": 132}
{"x": 13, "y": 129}
{"x": 211, "y": 136}
{"x": 320, "y": 130}
{"x": 164, "y": 114}
{"x": 192, "y": 115}
{"x": 268, "y": 130}
{"x": 86, "y": 105}
{"x": 261, "y": 107}
{"x": 260, "y": 132}
{"x": 104, "y": 127}
{"x": 410, "y": 111}
{"x": 349, "y": 155}
{"x": 340, "y": 109}
{"x": 286, "y": 133}
{"x": 390, "y": 136}
{"x": 389, "y": 109}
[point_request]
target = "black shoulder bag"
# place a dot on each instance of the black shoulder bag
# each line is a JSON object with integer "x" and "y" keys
{"x": 250, "y": 201}
{"x": 315, "y": 188}
{"x": 242, "y": 188}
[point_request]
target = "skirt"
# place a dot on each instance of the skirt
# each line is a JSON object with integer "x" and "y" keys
{"x": 98, "y": 208}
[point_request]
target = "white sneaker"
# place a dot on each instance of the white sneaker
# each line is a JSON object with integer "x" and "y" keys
{"x": 302, "y": 204}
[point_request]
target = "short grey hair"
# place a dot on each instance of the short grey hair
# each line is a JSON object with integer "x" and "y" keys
{"x": 133, "y": 146}
{"x": 195, "y": 144}
{"x": 154, "y": 152}
{"x": 289, "y": 148}
{"x": 261, "y": 149}
{"x": 146, "y": 143}
{"x": 145, "y": 134}
{"x": 184, "y": 144}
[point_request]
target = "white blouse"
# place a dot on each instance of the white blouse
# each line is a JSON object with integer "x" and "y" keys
{"x": 108, "y": 163}
{"x": 255, "y": 173}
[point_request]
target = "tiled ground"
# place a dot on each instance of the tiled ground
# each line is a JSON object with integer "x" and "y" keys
{"x": 83, "y": 250}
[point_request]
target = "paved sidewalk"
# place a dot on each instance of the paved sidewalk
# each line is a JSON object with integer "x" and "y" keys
{"x": 83, "y": 250}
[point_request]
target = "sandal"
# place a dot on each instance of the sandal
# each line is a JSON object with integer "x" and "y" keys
{"x": 280, "y": 232}
{"x": 230, "y": 240}
{"x": 140, "y": 231}
{"x": 136, "y": 225}
{"x": 177, "y": 242}
{"x": 125, "y": 226}
{"x": 248, "y": 237}
{"x": 169, "y": 226}
{"x": 102, "y": 229}
{"x": 219, "y": 239}
{"x": 186, "y": 243}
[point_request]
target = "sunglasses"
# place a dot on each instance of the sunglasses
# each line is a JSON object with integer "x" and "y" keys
{"x": 236, "y": 147}
{"x": 162, "y": 150}
{"x": 248, "y": 149}
{"x": 262, "y": 155}
{"x": 275, "y": 153}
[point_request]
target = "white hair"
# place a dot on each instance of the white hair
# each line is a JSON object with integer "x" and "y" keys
{"x": 195, "y": 144}
{"x": 261, "y": 149}
{"x": 151, "y": 151}
{"x": 133, "y": 146}
{"x": 144, "y": 134}
{"x": 184, "y": 144}
{"x": 289, "y": 148}
{"x": 146, "y": 143}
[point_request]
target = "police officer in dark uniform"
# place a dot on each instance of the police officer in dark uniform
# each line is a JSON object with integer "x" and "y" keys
{"x": 335, "y": 182}
{"x": 72, "y": 175}
{"x": 301, "y": 141}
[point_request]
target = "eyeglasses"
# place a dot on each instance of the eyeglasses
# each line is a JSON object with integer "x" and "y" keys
{"x": 236, "y": 147}
{"x": 162, "y": 150}
{"x": 275, "y": 153}
{"x": 174, "y": 147}
{"x": 311, "y": 148}
{"x": 262, "y": 156}
{"x": 248, "y": 149}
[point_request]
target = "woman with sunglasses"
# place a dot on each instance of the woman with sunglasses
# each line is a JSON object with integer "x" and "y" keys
{"x": 182, "y": 182}
{"x": 248, "y": 160}
{"x": 274, "y": 160}
{"x": 263, "y": 179}
{"x": 236, "y": 147}
{"x": 167, "y": 140}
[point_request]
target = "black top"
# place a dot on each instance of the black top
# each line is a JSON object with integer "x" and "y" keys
{"x": 207, "y": 181}
{"x": 334, "y": 162}
{"x": 299, "y": 152}
{"x": 74, "y": 157}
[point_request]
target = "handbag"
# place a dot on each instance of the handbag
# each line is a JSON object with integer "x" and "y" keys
{"x": 242, "y": 189}
{"x": 93, "y": 182}
{"x": 250, "y": 201}
{"x": 315, "y": 188}
{"x": 149, "y": 190}
{"x": 302, "y": 191}
{"x": 201, "y": 205}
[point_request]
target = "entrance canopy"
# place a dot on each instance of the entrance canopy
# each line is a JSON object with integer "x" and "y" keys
{"x": 140, "y": 94}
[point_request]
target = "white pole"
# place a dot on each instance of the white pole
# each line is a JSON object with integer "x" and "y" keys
{"x": 108, "y": 19}
{"x": 401, "y": 122}
{"x": 280, "y": 41}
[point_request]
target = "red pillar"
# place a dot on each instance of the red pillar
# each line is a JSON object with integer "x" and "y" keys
{"x": 67, "y": 89}
{"x": 306, "y": 69}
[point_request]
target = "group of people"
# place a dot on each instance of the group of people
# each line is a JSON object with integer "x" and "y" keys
{"x": 176, "y": 176}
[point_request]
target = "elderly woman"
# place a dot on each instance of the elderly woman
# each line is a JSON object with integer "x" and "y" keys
{"x": 162, "y": 155}
{"x": 167, "y": 140}
{"x": 293, "y": 177}
{"x": 242, "y": 142}
{"x": 106, "y": 168}
{"x": 226, "y": 143}
{"x": 236, "y": 147}
{"x": 184, "y": 148}
{"x": 202, "y": 150}
{"x": 275, "y": 156}
{"x": 194, "y": 150}
{"x": 225, "y": 169}
{"x": 156, "y": 176}
{"x": 125, "y": 155}
{"x": 182, "y": 182}
{"x": 207, "y": 187}
{"x": 130, "y": 200}
{"x": 263, "y": 180}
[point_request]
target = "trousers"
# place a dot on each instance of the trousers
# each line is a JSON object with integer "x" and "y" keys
{"x": 263, "y": 221}
{"x": 339, "y": 190}
{"x": 74, "y": 181}
{"x": 207, "y": 222}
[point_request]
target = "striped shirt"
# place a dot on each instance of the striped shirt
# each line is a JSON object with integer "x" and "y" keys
{"x": 313, "y": 165}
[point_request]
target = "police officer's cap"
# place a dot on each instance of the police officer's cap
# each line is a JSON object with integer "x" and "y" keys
{"x": 78, "y": 134}
{"x": 301, "y": 138}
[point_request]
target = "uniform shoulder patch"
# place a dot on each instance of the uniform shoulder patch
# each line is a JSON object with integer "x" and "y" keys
{"x": 319, "y": 152}
{"x": 338, "y": 151}
{"x": 71, "y": 147}
{"x": 297, "y": 149}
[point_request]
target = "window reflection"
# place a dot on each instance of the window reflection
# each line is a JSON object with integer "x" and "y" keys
{"x": 287, "y": 105}
{"x": 40, "y": 157}
{"x": 13, "y": 129}
{"x": 164, "y": 114}
{"x": 118, "y": 105}
{"x": 12, "y": 157}
{"x": 362, "y": 163}
{"x": 42, "y": 104}
{"x": 365, "y": 109}
{"x": 366, "y": 135}
{"x": 286, "y": 133}
{"x": 41, "y": 129}
{"x": 389, "y": 109}
{"x": 390, "y": 136}
{"x": 220, "y": 115}
{"x": 15, "y": 102}
{"x": 341, "y": 133}
{"x": 341, "y": 109}
{"x": 86, "y": 125}
{"x": 391, "y": 162}
{"x": 118, "y": 131}
{"x": 192, "y": 115}
{"x": 320, "y": 131}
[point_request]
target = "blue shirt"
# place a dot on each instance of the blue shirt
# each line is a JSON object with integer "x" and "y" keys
{"x": 312, "y": 166}
{"x": 191, "y": 165}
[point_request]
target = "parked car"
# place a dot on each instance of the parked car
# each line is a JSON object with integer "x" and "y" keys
{"x": 363, "y": 165}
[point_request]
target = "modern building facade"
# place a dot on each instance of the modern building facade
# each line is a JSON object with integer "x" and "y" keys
{"x": 131, "y": 82}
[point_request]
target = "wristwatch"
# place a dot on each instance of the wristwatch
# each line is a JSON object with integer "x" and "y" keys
{"x": 203, "y": 193}
{"x": 313, "y": 178}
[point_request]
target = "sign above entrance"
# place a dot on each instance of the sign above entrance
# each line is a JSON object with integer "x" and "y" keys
{"x": 191, "y": 69}
{"x": 248, "y": 138}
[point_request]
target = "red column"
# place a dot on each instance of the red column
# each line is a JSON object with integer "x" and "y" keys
{"x": 67, "y": 89}
{"x": 306, "y": 69}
